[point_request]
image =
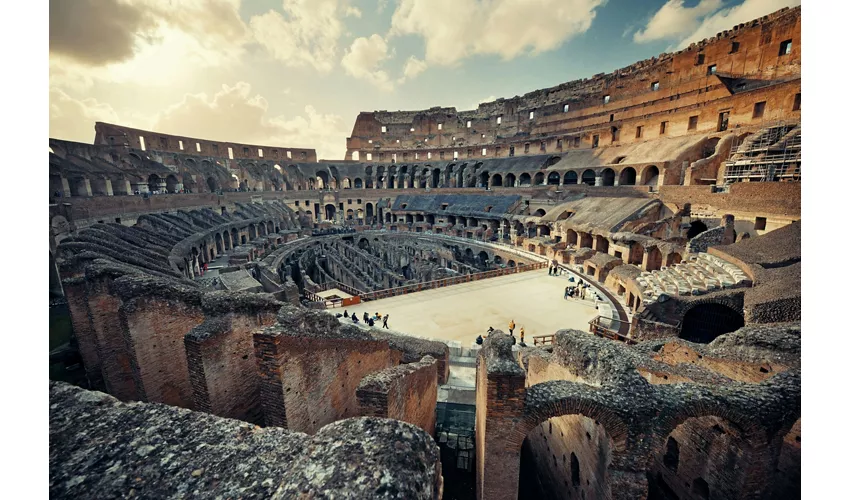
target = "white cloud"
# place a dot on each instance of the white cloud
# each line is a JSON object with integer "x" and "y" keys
{"x": 305, "y": 34}
{"x": 507, "y": 28}
{"x": 353, "y": 12}
{"x": 364, "y": 58}
{"x": 73, "y": 120}
{"x": 234, "y": 114}
{"x": 674, "y": 21}
{"x": 413, "y": 67}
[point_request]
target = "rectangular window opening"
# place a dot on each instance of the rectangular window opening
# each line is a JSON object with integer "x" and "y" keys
{"x": 761, "y": 223}
{"x": 260, "y": 152}
{"x": 785, "y": 48}
{"x": 638, "y": 132}
{"x": 758, "y": 109}
{"x": 711, "y": 70}
{"x": 498, "y": 120}
{"x": 692, "y": 123}
{"x": 566, "y": 107}
{"x": 469, "y": 124}
{"x": 796, "y": 103}
{"x": 723, "y": 121}
{"x": 180, "y": 144}
{"x": 289, "y": 154}
{"x": 531, "y": 115}
{"x": 142, "y": 142}
{"x": 244, "y": 151}
{"x": 606, "y": 99}
{"x": 439, "y": 126}
{"x": 663, "y": 128}
{"x": 654, "y": 86}
{"x": 734, "y": 48}
{"x": 700, "y": 59}
{"x": 230, "y": 153}
{"x": 483, "y": 151}
{"x": 595, "y": 142}
{"x": 383, "y": 129}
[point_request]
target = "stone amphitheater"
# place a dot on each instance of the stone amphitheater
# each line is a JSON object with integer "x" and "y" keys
{"x": 641, "y": 227}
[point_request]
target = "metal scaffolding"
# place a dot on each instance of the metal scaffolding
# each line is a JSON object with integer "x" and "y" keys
{"x": 772, "y": 154}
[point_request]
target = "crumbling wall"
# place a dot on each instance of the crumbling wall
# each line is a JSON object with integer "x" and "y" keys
{"x": 101, "y": 448}
{"x": 406, "y": 392}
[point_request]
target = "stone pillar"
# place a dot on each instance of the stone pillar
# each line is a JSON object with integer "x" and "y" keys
{"x": 598, "y": 181}
{"x": 499, "y": 407}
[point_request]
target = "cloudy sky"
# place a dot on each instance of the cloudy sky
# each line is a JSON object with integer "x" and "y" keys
{"x": 297, "y": 72}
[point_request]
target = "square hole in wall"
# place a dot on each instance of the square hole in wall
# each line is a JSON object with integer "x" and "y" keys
{"x": 761, "y": 223}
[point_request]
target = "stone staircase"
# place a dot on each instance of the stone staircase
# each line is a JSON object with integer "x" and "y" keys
{"x": 700, "y": 274}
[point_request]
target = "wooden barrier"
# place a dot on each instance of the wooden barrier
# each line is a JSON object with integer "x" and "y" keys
{"x": 466, "y": 278}
{"x": 597, "y": 329}
{"x": 544, "y": 339}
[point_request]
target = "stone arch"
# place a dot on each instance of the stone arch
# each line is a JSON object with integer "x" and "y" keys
{"x": 370, "y": 212}
{"x": 540, "y": 212}
{"x": 554, "y": 178}
{"x": 628, "y": 176}
{"x": 539, "y": 178}
{"x": 252, "y": 232}
{"x": 572, "y": 237}
{"x": 330, "y": 211}
{"x": 484, "y": 179}
{"x": 735, "y": 444}
{"x": 697, "y": 227}
{"x": 608, "y": 177}
{"x": 219, "y": 244}
{"x": 322, "y": 181}
{"x": 654, "y": 261}
{"x": 358, "y": 183}
{"x": 349, "y": 214}
{"x": 570, "y": 177}
{"x": 511, "y": 263}
{"x": 435, "y": 178}
{"x": 171, "y": 183}
{"x": 346, "y": 183}
{"x": 673, "y": 259}
{"x": 707, "y": 320}
{"x": 510, "y": 180}
{"x": 496, "y": 180}
{"x": 154, "y": 182}
{"x": 525, "y": 179}
{"x": 649, "y": 176}
{"x": 588, "y": 177}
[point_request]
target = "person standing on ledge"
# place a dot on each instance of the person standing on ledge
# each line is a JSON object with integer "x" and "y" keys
{"x": 511, "y": 327}
{"x": 566, "y": 291}
{"x": 522, "y": 336}
{"x": 386, "y": 317}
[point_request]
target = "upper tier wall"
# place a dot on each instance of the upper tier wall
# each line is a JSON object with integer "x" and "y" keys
{"x": 146, "y": 140}
{"x": 758, "y": 61}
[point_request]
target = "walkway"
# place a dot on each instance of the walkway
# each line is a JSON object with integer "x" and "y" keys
{"x": 533, "y": 299}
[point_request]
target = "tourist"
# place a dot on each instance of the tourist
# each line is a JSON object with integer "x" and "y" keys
{"x": 479, "y": 340}
{"x": 511, "y": 326}
{"x": 386, "y": 317}
{"x": 522, "y": 337}
{"x": 490, "y": 330}
{"x": 566, "y": 292}
{"x": 371, "y": 322}
{"x": 513, "y": 340}
{"x": 346, "y": 313}
{"x": 522, "y": 333}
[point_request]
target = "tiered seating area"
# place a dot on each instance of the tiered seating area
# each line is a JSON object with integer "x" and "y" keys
{"x": 772, "y": 154}
{"x": 701, "y": 273}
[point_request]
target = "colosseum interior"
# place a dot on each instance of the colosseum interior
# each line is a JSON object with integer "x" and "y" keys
{"x": 211, "y": 290}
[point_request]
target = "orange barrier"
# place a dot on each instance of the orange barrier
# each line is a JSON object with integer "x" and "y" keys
{"x": 428, "y": 285}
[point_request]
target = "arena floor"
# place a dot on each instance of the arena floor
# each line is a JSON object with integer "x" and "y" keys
{"x": 533, "y": 299}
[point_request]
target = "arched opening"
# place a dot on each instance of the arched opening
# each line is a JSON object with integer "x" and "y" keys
{"x": 566, "y": 457}
{"x": 697, "y": 227}
{"x": 435, "y": 178}
{"x": 391, "y": 182}
{"x": 511, "y": 263}
{"x": 510, "y": 180}
{"x": 363, "y": 244}
{"x": 496, "y": 180}
{"x": 628, "y": 176}
{"x": 370, "y": 213}
{"x": 705, "y": 322}
{"x": 650, "y": 176}
{"x": 171, "y": 183}
{"x": 608, "y": 176}
{"x": 553, "y": 179}
{"x": 538, "y": 178}
{"x": 570, "y": 178}
{"x": 219, "y": 244}
{"x": 234, "y": 237}
{"x": 346, "y": 183}
{"x": 636, "y": 255}
{"x": 710, "y": 147}
{"x": 673, "y": 259}
{"x": 252, "y": 231}
{"x": 355, "y": 155}
{"x": 358, "y": 183}
{"x": 572, "y": 237}
{"x": 653, "y": 262}
{"x": 322, "y": 180}
{"x": 483, "y": 259}
{"x": 540, "y": 212}
{"x": 525, "y": 179}
{"x": 601, "y": 244}
{"x": 349, "y": 214}
{"x": 498, "y": 260}
{"x": 330, "y": 211}
{"x": 154, "y": 183}
{"x": 704, "y": 457}
{"x": 588, "y": 177}
{"x": 543, "y": 230}
{"x": 485, "y": 179}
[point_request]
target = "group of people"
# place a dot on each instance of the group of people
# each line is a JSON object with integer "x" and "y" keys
{"x": 555, "y": 269}
{"x": 511, "y": 326}
{"x": 367, "y": 319}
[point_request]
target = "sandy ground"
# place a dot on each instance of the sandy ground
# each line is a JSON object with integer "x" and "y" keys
{"x": 533, "y": 299}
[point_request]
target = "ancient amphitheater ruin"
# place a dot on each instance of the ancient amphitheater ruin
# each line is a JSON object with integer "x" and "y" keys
{"x": 211, "y": 287}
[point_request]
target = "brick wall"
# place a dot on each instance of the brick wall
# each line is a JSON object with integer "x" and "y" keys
{"x": 308, "y": 382}
{"x": 223, "y": 367}
{"x": 155, "y": 328}
{"x": 78, "y": 308}
{"x": 405, "y": 392}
